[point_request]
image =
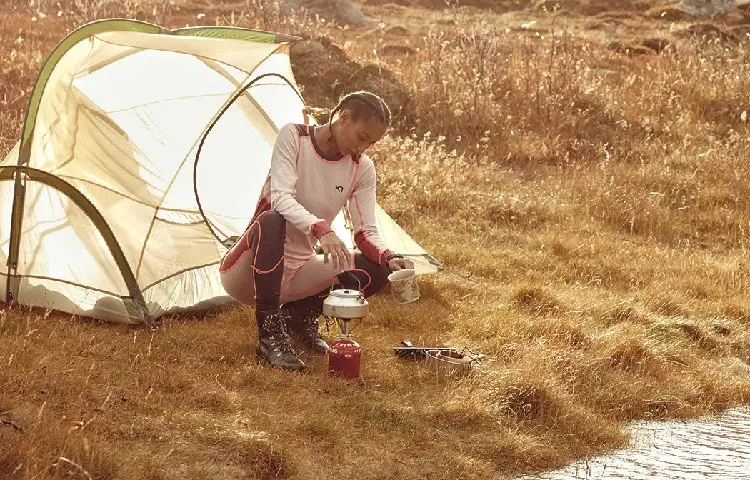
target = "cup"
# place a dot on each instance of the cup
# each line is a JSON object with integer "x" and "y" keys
{"x": 448, "y": 364}
{"x": 404, "y": 285}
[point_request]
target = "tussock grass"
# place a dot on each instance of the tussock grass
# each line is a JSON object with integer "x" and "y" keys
{"x": 623, "y": 313}
{"x": 737, "y": 311}
{"x": 590, "y": 207}
{"x": 536, "y": 300}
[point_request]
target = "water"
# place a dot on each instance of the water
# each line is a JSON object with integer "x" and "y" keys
{"x": 707, "y": 449}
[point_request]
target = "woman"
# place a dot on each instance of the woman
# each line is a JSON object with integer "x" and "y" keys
{"x": 315, "y": 172}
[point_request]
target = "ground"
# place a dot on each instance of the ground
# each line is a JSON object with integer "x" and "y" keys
{"x": 580, "y": 171}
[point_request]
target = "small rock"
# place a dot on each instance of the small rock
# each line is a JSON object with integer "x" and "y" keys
{"x": 706, "y": 8}
{"x": 348, "y": 14}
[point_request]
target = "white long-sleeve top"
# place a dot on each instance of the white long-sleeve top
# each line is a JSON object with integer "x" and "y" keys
{"x": 309, "y": 189}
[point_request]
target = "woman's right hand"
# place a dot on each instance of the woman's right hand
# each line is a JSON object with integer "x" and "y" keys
{"x": 332, "y": 245}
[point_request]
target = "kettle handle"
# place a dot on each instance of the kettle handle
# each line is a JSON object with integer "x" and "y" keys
{"x": 359, "y": 284}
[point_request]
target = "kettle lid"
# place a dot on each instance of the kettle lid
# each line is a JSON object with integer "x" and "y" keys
{"x": 346, "y": 293}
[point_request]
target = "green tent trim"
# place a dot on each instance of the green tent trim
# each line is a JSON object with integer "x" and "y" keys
{"x": 53, "y": 181}
{"x": 125, "y": 25}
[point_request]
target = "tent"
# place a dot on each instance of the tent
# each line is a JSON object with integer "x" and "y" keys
{"x": 141, "y": 157}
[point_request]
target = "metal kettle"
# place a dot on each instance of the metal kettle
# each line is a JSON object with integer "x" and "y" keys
{"x": 345, "y": 303}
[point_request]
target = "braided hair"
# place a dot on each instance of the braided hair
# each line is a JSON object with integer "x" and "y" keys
{"x": 364, "y": 106}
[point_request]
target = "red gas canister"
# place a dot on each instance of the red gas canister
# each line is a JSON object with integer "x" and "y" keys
{"x": 343, "y": 358}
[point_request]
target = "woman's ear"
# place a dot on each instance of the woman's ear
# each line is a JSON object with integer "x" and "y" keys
{"x": 344, "y": 116}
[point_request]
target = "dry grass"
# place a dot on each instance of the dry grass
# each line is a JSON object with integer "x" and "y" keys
{"x": 591, "y": 208}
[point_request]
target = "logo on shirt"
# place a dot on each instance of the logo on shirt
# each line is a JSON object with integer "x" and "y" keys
{"x": 340, "y": 188}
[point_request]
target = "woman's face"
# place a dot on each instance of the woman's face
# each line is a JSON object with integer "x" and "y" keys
{"x": 353, "y": 138}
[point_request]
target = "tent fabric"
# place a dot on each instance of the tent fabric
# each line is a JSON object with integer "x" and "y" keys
{"x": 100, "y": 197}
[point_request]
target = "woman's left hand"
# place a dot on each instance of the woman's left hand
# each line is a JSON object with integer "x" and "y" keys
{"x": 399, "y": 264}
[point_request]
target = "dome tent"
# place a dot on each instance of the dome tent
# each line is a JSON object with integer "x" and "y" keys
{"x": 142, "y": 155}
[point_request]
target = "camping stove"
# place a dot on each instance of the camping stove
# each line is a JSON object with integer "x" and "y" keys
{"x": 345, "y": 306}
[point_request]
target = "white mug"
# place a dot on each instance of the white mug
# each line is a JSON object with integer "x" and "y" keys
{"x": 404, "y": 285}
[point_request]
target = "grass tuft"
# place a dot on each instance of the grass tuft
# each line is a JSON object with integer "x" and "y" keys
{"x": 633, "y": 356}
{"x": 536, "y": 300}
{"x": 528, "y": 401}
{"x": 737, "y": 311}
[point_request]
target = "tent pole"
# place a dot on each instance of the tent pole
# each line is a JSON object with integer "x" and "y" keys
{"x": 16, "y": 222}
{"x": 96, "y": 218}
{"x": 8, "y": 296}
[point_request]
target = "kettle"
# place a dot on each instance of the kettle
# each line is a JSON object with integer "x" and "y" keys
{"x": 345, "y": 303}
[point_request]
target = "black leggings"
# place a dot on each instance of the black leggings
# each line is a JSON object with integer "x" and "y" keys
{"x": 252, "y": 271}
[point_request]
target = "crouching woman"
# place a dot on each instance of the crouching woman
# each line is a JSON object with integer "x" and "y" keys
{"x": 314, "y": 173}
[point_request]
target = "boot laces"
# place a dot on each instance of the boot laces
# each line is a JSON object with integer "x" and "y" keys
{"x": 310, "y": 328}
{"x": 280, "y": 343}
{"x": 278, "y": 337}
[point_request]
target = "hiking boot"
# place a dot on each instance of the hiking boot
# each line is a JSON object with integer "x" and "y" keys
{"x": 305, "y": 328}
{"x": 274, "y": 346}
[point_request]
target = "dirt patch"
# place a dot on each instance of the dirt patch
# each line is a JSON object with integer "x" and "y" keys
{"x": 397, "y": 31}
{"x": 741, "y": 31}
{"x": 325, "y": 72}
{"x": 634, "y": 48}
{"x": 735, "y": 17}
{"x": 658, "y": 45}
{"x": 708, "y": 31}
{"x": 595, "y": 7}
{"x": 617, "y": 15}
{"x": 669, "y": 14}
{"x": 495, "y": 5}
{"x": 397, "y": 50}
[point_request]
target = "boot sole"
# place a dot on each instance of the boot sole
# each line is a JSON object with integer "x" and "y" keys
{"x": 317, "y": 351}
{"x": 307, "y": 347}
{"x": 264, "y": 361}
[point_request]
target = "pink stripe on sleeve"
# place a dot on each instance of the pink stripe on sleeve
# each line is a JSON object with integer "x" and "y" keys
{"x": 320, "y": 228}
